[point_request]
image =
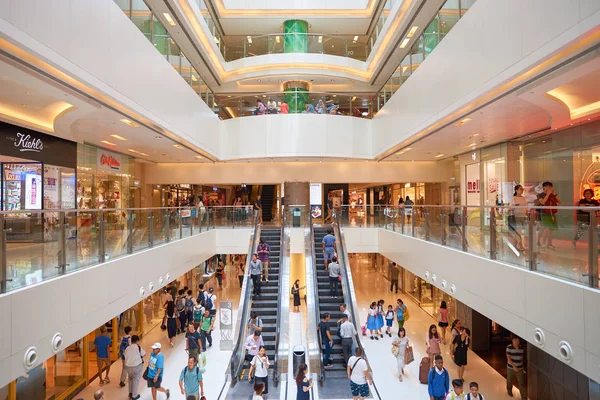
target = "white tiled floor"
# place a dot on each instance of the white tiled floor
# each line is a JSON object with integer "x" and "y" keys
{"x": 176, "y": 357}
{"x": 372, "y": 286}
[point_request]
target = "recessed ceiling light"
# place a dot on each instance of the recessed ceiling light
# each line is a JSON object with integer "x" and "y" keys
{"x": 463, "y": 121}
{"x": 259, "y": 81}
{"x": 169, "y": 19}
{"x": 412, "y": 31}
{"x": 355, "y": 38}
{"x": 128, "y": 122}
{"x": 277, "y": 39}
{"x": 469, "y": 145}
{"x": 404, "y": 43}
{"x": 194, "y": 78}
{"x": 439, "y": 155}
{"x": 320, "y": 39}
{"x": 118, "y": 137}
{"x": 249, "y": 39}
{"x": 199, "y": 157}
{"x": 108, "y": 143}
{"x": 178, "y": 146}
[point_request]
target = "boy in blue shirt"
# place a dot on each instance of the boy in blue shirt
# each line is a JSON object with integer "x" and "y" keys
{"x": 156, "y": 366}
{"x": 438, "y": 382}
{"x": 103, "y": 343}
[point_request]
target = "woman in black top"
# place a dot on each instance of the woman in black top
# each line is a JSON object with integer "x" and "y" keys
{"x": 460, "y": 346}
{"x": 296, "y": 293}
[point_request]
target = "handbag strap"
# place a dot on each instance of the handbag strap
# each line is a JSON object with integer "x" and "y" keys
{"x": 356, "y": 362}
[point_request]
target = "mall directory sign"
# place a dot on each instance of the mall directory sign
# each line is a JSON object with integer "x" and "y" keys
{"x": 16, "y": 141}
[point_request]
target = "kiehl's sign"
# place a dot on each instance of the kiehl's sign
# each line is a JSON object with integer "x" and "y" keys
{"x": 36, "y": 146}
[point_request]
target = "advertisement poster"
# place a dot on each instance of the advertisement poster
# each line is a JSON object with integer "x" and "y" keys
{"x": 473, "y": 185}
{"x": 316, "y": 198}
{"x": 33, "y": 192}
{"x": 316, "y": 211}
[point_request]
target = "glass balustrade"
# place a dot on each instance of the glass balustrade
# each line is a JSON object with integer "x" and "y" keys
{"x": 69, "y": 240}
{"x": 567, "y": 250}
{"x": 356, "y": 105}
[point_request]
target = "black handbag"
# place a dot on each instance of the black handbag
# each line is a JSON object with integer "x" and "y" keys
{"x": 145, "y": 375}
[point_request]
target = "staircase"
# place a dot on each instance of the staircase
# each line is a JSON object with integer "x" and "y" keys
{"x": 268, "y": 199}
{"x": 266, "y": 305}
{"x": 331, "y": 306}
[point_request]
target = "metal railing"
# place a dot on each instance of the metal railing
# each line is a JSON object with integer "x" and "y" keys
{"x": 238, "y": 355}
{"x": 350, "y": 295}
{"x": 561, "y": 241}
{"x": 40, "y": 245}
{"x": 361, "y": 105}
{"x": 313, "y": 289}
{"x": 282, "y": 293}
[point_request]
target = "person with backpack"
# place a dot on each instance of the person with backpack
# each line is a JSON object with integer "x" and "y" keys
{"x": 189, "y": 308}
{"x": 190, "y": 379}
{"x": 207, "y": 324}
{"x": 125, "y": 342}
{"x": 193, "y": 343}
{"x": 457, "y": 392}
{"x": 180, "y": 308}
{"x": 202, "y": 295}
{"x": 438, "y": 380}
{"x": 548, "y": 198}
{"x": 474, "y": 392}
{"x": 134, "y": 361}
{"x": 254, "y": 323}
{"x": 198, "y": 312}
{"x": 211, "y": 302}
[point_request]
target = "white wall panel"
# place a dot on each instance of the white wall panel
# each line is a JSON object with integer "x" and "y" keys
{"x": 233, "y": 241}
{"x": 297, "y": 241}
{"x": 516, "y": 298}
{"x": 295, "y": 135}
{"x": 97, "y": 44}
{"x": 495, "y": 41}
{"x": 278, "y": 172}
{"x": 362, "y": 240}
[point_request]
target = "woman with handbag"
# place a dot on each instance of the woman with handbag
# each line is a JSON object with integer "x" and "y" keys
{"x": 260, "y": 366}
{"x": 516, "y": 220}
{"x": 399, "y": 346}
{"x": 296, "y": 293}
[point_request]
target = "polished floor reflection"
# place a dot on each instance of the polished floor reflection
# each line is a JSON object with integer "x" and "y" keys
{"x": 370, "y": 286}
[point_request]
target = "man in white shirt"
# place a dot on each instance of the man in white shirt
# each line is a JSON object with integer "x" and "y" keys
{"x": 347, "y": 333}
{"x": 474, "y": 392}
{"x": 213, "y": 299}
{"x": 134, "y": 358}
{"x": 334, "y": 272}
{"x": 252, "y": 345}
{"x": 358, "y": 373}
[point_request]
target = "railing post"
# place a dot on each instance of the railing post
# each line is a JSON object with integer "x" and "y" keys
{"x": 427, "y": 230}
{"x": 3, "y": 265}
{"x": 532, "y": 259}
{"x": 62, "y": 243}
{"x": 101, "y": 237}
{"x": 443, "y": 226}
{"x": 192, "y": 221}
{"x": 463, "y": 227}
{"x": 180, "y": 225}
{"x": 413, "y": 221}
{"x": 493, "y": 236}
{"x": 150, "y": 229}
{"x": 129, "y": 232}
{"x": 167, "y": 225}
{"x": 403, "y": 220}
{"x": 593, "y": 253}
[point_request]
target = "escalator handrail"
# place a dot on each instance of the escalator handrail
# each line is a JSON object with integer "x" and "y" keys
{"x": 321, "y": 374}
{"x": 350, "y": 300}
{"x": 281, "y": 294}
{"x": 244, "y": 309}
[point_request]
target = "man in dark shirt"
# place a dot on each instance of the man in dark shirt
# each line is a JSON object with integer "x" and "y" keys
{"x": 329, "y": 206}
{"x": 548, "y": 198}
{"x": 584, "y": 217}
{"x": 394, "y": 273}
{"x": 258, "y": 207}
{"x": 193, "y": 344}
{"x": 326, "y": 339}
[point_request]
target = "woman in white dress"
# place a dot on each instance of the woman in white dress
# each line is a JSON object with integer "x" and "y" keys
{"x": 400, "y": 343}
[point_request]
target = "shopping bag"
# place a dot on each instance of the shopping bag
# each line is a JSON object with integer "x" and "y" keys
{"x": 364, "y": 330}
{"x": 409, "y": 355}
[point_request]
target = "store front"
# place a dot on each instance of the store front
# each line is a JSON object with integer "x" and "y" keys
{"x": 427, "y": 296}
{"x": 37, "y": 174}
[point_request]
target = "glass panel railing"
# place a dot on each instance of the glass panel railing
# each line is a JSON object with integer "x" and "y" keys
{"x": 557, "y": 241}
{"x": 40, "y": 245}
{"x": 357, "y": 105}
{"x": 239, "y": 351}
{"x": 432, "y": 35}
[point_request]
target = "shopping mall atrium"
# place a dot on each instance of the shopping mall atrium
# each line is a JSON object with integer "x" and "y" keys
{"x": 257, "y": 171}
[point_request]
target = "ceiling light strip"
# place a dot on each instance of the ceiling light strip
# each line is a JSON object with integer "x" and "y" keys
{"x": 224, "y": 12}
{"x": 32, "y": 62}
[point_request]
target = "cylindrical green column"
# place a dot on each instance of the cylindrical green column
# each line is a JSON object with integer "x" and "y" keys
{"x": 295, "y": 38}
{"x": 296, "y": 95}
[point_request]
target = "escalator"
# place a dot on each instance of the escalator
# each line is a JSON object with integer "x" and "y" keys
{"x": 266, "y": 305}
{"x": 267, "y": 199}
{"x": 334, "y": 380}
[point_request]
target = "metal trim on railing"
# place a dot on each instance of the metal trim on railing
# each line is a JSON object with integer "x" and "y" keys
{"x": 321, "y": 374}
{"x": 350, "y": 294}
{"x": 236, "y": 365}
{"x": 282, "y": 292}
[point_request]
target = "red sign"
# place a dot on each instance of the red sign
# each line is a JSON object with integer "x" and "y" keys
{"x": 473, "y": 186}
{"x": 110, "y": 161}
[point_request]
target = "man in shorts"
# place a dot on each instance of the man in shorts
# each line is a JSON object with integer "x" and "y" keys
{"x": 548, "y": 198}
{"x": 156, "y": 366}
{"x": 358, "y": 373}
{"x": 329, "y": 246}
{"x": 103, "y": 343}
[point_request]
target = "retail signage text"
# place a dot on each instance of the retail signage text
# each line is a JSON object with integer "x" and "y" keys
{"x": 27, "y": 143}
{"x": 108, "y": 161}
{"x": 473, "y": 186}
